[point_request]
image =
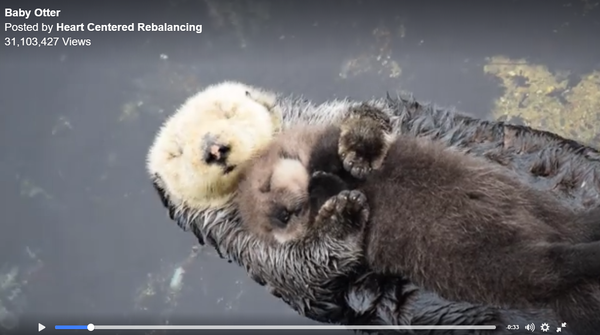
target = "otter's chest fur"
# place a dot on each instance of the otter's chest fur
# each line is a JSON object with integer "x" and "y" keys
{"x": 431, "y": 204}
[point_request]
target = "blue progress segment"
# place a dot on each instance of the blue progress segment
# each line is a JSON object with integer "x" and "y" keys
{"x": 71, "y": 327}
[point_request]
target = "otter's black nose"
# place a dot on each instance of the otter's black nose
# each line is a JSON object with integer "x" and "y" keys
{"x": 216, "y": 153}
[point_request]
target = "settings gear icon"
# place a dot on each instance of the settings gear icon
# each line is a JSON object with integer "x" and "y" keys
{"x": 545, "y": 327}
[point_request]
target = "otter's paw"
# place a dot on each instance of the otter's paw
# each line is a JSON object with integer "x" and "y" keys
{"x": 355, "y": 164}
{"x": 363, "y": 140}
{"x": 347, "y": 209}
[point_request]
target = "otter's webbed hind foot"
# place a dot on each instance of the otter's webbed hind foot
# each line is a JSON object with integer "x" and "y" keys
{"x": 344, "y": 214}
{"x": 363, "y": 142}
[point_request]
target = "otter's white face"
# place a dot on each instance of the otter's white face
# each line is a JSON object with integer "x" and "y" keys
{"x": 199, "y": 152}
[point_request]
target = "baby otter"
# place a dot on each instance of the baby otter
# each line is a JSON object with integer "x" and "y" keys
{"x": 451, "y": 223}
{"x": 273, "y": 197}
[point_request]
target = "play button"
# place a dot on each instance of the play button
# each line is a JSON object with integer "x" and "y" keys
{"x": 41, "y": 327}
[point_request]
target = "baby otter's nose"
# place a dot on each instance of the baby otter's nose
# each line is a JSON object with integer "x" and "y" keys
{"x": 216, "y": 153}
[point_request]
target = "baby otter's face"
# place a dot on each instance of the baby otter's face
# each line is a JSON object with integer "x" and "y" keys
{"x": 288, "y": 213}
{"x": 201, "y": 149}
{"x": 273, "y": 200}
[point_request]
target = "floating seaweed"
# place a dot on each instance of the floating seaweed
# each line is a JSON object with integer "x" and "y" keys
{"x": 563, "y": 103}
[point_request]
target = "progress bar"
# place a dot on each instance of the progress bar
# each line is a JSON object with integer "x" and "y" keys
{"x": 92, "y": 327}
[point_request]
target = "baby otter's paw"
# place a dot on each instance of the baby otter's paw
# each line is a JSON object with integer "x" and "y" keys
{"x": 348, "y": 209}
{"x": 364, "y": 142}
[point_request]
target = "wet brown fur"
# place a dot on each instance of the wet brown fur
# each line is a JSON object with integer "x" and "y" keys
{"x": 469, "y": 230}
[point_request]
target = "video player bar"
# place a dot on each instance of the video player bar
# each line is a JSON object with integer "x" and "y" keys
{"x": 92, "y": 327}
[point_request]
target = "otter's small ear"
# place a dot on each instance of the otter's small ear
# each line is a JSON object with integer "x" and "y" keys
{"x": 267, "y": 99}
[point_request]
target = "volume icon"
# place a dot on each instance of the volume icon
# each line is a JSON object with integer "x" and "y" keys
{"x": 530, "y": 327}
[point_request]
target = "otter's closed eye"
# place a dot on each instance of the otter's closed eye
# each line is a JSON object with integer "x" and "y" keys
{"x": 284, "y": 215}
{"x": 280, "y": 216}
